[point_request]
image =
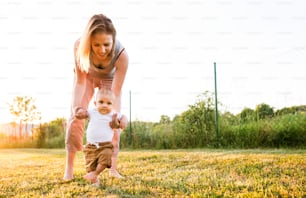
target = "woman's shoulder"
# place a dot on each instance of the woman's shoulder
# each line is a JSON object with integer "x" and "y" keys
{"x": 119, "y": 50}
{"x": 119, "y": 47}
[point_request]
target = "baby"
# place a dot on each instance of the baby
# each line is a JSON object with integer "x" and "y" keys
{"x": 99, "y": 148}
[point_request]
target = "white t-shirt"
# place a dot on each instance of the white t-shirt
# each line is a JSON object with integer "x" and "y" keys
{"x": 98, "y": 129}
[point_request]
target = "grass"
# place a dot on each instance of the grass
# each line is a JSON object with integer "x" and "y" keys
{"x": 166, "y": 173}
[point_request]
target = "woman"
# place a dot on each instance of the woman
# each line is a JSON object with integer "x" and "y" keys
{"x": 100, "y": 61}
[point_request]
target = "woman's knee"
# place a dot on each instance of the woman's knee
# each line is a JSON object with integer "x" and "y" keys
{"x": 74, "y": 135}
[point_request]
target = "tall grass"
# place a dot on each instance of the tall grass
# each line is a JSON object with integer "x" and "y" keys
{"x": 287, "y": 131}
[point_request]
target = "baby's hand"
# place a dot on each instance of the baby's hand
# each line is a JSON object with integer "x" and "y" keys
{"x": 114, "y": 124}
{"x": 80, "y": 113}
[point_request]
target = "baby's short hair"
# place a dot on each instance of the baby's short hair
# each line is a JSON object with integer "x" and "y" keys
{"x": 105, "y": 91}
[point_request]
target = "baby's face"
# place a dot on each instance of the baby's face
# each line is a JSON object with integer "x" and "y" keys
{"x": 104, "y": 103}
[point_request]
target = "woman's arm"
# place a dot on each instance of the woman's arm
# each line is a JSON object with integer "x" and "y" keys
{"x": 121, "y": 69}
{"x": 119, "y": 77}
{"x": 79, "y": 83}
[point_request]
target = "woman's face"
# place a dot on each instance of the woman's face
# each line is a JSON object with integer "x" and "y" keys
{"x": 101, "y": 45}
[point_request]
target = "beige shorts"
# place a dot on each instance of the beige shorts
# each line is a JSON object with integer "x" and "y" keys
{"x": 101, "y": 154}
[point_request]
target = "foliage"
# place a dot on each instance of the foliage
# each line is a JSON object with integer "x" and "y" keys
{"x": 45, "y": 135}
{"x": 291, "y": 110}
{"x": 40, "y": 135}
{"x": 264, "y": 111}
{"x": 164, "y": 119}
{"x": 228, "y": 119}
{"x": 193, "y": 128}
{"x": 52, "y": 134}
{"x": 247, "y": 115}
{"x": 140, "y": 135}
{"x": 162, "y": 136}
{"x": 199, "y": 122}
{"x": 55, "y": 142}
{"x": 56, "y": 128}
{"x": 289, "y": 131}
{"x": 171, "y": 173}
{"x": 282, "y": 131}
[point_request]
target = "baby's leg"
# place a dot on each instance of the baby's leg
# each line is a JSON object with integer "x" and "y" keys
{"x": 93, "y": 175}
{"x": 104, "y": 161}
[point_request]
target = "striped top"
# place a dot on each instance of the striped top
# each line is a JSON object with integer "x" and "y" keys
{"x": 106, "y": 72}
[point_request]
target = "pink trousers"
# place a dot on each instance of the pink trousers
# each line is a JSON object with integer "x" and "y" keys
{"x": 75, "y": 127}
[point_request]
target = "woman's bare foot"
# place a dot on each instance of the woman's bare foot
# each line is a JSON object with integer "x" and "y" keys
{"x": 91, "y": 176}
{"x": 114, "y": 173}
{"x": 68, "y": 175}
{"x": 68, "y": 178}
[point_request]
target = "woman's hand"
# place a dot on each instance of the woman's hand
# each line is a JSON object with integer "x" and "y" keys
{"x": 123, "y": 122}
{"x": 116, "y": 123}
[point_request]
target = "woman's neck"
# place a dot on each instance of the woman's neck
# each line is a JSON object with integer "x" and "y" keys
{"x": 98, "y": 62}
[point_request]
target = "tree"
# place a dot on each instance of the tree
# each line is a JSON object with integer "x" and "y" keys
{"x": 14, "y": 125}
{"x": 264, "y": 111}
{"x": 228, "y": 119}
{"x": 164, "y": 119}
{"x": 23, "y": 108}
{"x": 247, "y": 115}
{"x": 199, "y": 121}
{"x": 36, "y": 116}
{"x": 291, "y": 110}
{"x": 56, "y": 128}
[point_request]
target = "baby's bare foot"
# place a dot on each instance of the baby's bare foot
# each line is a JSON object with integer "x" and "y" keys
{"x": 91, "y": 176}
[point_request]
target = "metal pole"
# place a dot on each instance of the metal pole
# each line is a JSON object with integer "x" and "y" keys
{"x": 216, "y": 103}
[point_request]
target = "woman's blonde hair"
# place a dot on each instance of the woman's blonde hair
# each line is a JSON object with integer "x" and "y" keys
{"x": 98, "y": 23}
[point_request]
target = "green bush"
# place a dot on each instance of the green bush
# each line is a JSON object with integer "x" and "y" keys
{"x": 56, "y": 142}
{"x": 282, "y": 131}
{"x": 289, "y": 131}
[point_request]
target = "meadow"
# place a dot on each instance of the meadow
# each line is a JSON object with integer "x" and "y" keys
{"x": 159, "y": 173}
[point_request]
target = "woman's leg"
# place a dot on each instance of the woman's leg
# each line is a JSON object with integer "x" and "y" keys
{"x": 70, "y": 155}
{"x": 74, "y": 133}
{"x": 116, "y": 142}
{"x": 74, "y": 143}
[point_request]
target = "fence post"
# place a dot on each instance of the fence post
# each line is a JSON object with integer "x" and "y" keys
{"x": 216, "y": 104}
{"x": 131, "y": 136}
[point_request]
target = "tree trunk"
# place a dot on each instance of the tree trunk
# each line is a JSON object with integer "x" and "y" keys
{"x": 20, "y": 129}
{"x": 26, "y": 130}
{"x": 32, "y": 130}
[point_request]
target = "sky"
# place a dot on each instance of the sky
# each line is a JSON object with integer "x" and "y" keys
{"x": 259, "y": 48}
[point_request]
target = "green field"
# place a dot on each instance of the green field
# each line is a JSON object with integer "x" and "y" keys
{"x": 166, "y": 173}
